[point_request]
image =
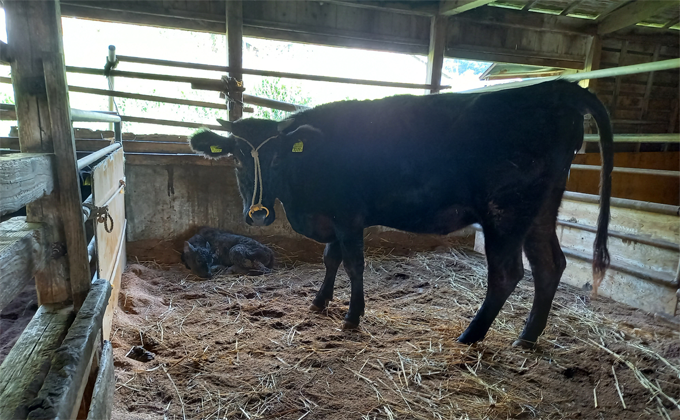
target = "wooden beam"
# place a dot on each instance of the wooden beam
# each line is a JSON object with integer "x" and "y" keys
{"x": 33, "y": 28}
{"x": 5, "y": 54}
{"x": 612, "y": 7}
{"x": 24, "y": 369}
{"x": 672, "y": 22}
{"x": 631, "y": 14}
{"x": 454, "y": 7}
{"x": 61, "y": 392}
{"x": 24, "y": 178}
{"x": 529, "y": 4}
{"x": 674, "y": 116}
{"x": 570, "y": 7}
{"x": 592, "y": 61}
{"x": 22, "y": 253}
{"x": 650, "y": 84}
{"x": 420, "y": 8}
{"x": 235, "y": 53}
{"x": 67, "y": 174}
{"x": 102, "y": 395}
{"x": 617, "y": 83}
{"x": 435, "y": 57}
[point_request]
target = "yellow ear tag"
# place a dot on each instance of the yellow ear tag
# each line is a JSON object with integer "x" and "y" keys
{"x": 297, "y": 147}
{"x": 215, "y": 149}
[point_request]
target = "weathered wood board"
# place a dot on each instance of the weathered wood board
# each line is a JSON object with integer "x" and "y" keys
{"x": 62, "y": 390}
{"x": 24, "y": 369}
{"x": 631, "y": 256}
{"x": 24, "y": 178}
{"x": 107, "y": 178}
{"x": 21, "y": 255}
{"x": 102, "y": 396}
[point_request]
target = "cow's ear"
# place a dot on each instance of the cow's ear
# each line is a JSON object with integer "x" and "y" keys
{"x": 211, "y": 145}
{"x": 302, "y": 139}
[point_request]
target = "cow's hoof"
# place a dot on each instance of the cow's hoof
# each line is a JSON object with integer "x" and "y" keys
{"x": 524, "y": 344}
{"x": 349, "y": 326}
{"x": 470, "y": 337}
{"x": 315, "y": 308}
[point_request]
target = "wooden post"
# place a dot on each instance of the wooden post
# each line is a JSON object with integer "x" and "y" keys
{"x": 43, "y": 114}
{"x": 592, "y": 60}
{"x": 235, "y": 51}
{"x": 435, "y": 57}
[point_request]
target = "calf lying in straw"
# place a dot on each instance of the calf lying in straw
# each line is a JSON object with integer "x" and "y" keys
{"x": 212, "y": 250}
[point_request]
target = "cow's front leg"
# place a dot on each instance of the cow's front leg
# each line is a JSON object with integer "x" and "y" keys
{"x": 332, "y": 257}
{"x": 352, "y": 246}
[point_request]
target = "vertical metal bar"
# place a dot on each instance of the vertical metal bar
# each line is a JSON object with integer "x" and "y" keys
{"x": 111, "y": 63}
{"x": 118, "y": 132}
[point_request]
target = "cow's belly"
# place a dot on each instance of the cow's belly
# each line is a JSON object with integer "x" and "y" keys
{"x": 427, "y": 221}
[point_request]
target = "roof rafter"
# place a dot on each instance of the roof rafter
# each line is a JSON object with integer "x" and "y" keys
{"x": 454, "y": 7}
{"x": 631, "y": 14}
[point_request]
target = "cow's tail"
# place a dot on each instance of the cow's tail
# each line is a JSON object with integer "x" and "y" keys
{"x": 601, "y": 259}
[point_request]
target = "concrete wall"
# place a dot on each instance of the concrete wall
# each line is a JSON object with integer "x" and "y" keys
{"x": 168, "y": 197}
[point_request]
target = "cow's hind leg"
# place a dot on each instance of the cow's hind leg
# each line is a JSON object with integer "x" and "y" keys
{"x": 504, "y": 260}
{"x": 332, "y": 257}
{"x": 543, "y": 251}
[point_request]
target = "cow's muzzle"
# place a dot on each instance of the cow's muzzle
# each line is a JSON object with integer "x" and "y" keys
{"x": 259, "y": 217}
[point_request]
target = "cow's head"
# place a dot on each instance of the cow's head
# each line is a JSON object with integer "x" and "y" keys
{"x": 198, "y": 259}
{"x": 265, "y": 142}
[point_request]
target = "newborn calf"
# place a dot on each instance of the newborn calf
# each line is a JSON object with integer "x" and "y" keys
{"x": 211, "y": 250}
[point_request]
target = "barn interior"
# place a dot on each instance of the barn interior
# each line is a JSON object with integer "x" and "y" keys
{"x": 101, "y": 320}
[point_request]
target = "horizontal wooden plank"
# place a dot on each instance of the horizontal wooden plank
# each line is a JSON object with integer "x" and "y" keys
{"x": 21, "y": 255}
{"x": 134, "y": 146}
{"x": 636, "y": 222}
{"x": 24, "y": 178}
{"x": 61, "y": 392}
{"x": 102, "y": 396}
{"x": 632, "y": 286}
{"x": 622, "y": 287}
{"x": 660, "y": 261}
{"x": 174, "y": 160}
{"x": 24, "y": 369}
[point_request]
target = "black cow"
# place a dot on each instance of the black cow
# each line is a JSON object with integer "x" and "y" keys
{"x": 427, "y": 164}
{"x": 212, "y": 249}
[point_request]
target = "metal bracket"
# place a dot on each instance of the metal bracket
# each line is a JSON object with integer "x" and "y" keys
{"x": 231, "y": 86}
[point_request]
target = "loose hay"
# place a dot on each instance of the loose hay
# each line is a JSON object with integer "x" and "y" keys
{"x": 247, "y": 348}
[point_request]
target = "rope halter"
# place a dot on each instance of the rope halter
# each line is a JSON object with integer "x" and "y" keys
{"x": 258, "y": 176}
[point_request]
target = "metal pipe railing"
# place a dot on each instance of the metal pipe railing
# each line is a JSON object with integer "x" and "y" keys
{"x": 78, "y": 115}
{"x": 673, "y": 63}
{"x": 638, "y": 171}
{"x": 225, "y": 69}
{"x": 93, "y": 157}
{"x": 625, "y": 203}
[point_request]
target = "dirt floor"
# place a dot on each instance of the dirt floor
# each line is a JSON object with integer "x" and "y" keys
{"x": 248, "y": 348}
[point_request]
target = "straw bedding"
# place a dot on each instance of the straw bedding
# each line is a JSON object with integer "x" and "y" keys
{"x": 248, "y": 348}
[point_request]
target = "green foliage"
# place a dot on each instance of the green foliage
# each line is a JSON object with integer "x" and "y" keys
{"x": 275, "y": 89}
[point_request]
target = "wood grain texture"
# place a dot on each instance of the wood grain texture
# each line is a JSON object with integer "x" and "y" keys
{"x": 631, "y": 14}
{"x": 61, "y": 392}
{"x": 234, "y": 20}
{"x": 67, "y": 175}
{"x": 22, "y": 253}
{"x": 24, "y": 369}
{"x": 102, "y": 395}
{"x": 33, "y": 29}
{"x": 107, "y": 177}
{"x": 24, "y": 178}
{"x": 435, "y": 56}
